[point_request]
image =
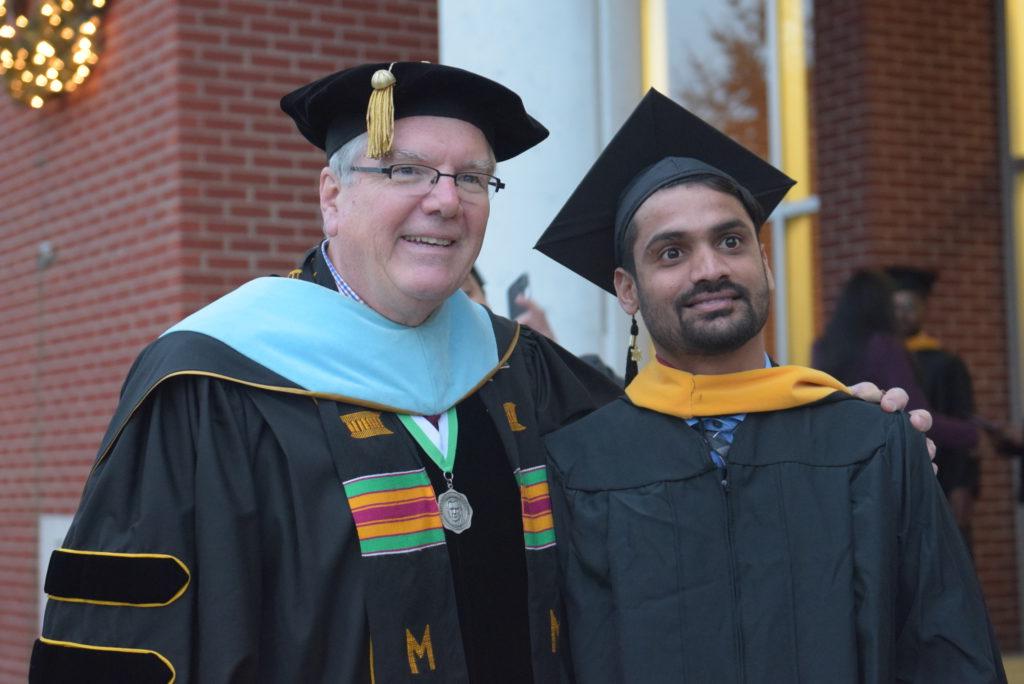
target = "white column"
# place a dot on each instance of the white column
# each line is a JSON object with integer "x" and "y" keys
{"x": 577, "y": 66}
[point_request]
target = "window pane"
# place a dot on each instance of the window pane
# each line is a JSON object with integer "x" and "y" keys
{"x": 717, "y": 60}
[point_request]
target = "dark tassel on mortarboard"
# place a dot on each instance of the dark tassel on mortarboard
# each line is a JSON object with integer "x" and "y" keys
{"x": 633, "y": 354}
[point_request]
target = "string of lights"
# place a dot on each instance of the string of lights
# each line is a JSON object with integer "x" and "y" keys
{"x": 51, "y": 53}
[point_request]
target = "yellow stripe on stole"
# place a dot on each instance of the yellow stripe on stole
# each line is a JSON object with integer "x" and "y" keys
{"x": 534, "y": 491}
{"x": 422, "y": 523}
{"x": 541, "y": 523}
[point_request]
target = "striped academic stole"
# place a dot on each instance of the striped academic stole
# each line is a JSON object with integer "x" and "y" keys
{"x": 508, "y": 398}
{"x": 410, "y": 599}
{"x": 394, "y": 512}
{"x": 538, "y": 525}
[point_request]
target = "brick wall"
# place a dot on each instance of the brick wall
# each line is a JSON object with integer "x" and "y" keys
{"x": 168, "y": 178}
{"x": 908, "y": 153}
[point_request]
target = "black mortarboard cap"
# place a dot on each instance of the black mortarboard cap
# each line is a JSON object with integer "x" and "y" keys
{"x": 914, "y": 279}
{"x": 661, "y": 142}
{"x": 333, "y": 110}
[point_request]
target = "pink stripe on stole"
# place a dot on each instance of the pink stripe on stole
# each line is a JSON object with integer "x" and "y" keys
{"x": 405, "y": 509}
{"x": 538, "y": 506}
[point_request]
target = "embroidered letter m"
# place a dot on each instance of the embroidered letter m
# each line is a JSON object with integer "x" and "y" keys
{"x": 417, "y": 649}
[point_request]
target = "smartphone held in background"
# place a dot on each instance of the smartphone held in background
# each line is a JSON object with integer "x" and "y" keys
{"x": 518, "y": 287}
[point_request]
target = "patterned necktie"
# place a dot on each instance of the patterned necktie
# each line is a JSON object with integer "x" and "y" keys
{"x": 718, "y": 433}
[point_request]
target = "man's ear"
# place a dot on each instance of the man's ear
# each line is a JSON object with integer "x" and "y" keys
{"x": 625, "y": 290}
{"x": 767, "y": 269}
{"x": 330, "y": 188}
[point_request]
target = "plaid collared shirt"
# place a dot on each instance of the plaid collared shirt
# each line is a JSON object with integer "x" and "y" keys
{"x": 343, "y": 287}
{"x": 719, "y": 431}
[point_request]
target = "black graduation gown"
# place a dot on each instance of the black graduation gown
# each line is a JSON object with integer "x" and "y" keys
{"x": 238, "y": 559}
{"x": 947, "y": 385}
{"x": 830, "y": 557}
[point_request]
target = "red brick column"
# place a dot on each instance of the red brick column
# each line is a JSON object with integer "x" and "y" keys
{"x": 908, "y": 167}
{"x": 169, "y": 177}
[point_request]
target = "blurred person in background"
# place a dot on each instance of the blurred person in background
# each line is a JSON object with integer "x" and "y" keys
{"x": 861, "y": 342}
{"x": 535, "y": 317}
{"x": 473, "y": 286}
{"x": 946, "y": 384}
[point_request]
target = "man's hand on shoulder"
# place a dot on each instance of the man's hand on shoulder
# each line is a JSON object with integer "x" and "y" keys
{"x": 895, "y": 399}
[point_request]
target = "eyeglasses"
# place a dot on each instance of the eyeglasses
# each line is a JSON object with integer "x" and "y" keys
{"x": 416, "y": 178}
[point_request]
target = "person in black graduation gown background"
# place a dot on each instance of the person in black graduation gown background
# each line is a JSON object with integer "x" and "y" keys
{"x": 729, "y": 520}
{"x": 535, "y": 318}
{"x": 946, "y": 383}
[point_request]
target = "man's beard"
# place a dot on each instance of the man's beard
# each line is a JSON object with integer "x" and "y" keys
{"x": 671, "y": 330}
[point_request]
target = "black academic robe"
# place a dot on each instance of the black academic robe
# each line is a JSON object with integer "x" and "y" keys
{"x": 214, "y": 541}
{"x": 830, "y": 556}
{"x": 947, "y": 385}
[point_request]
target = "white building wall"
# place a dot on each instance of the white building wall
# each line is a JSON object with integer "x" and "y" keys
{"x": 577, "y": 66}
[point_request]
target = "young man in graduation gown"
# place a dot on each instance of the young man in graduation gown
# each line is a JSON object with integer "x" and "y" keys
{"x": 727, "y": 520}
{"x": 946, "y": 384}
{"x": 300, "y": 486}
{"x": 338, "y": 476}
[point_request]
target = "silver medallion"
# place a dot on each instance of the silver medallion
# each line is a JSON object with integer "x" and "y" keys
{"x": 456, "y": 513}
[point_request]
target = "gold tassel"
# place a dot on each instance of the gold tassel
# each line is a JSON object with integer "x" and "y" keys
{"x": 380, "y": 114}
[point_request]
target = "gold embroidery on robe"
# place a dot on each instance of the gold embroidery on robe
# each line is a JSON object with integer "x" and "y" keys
{"x": 363, "y": 424}
{"x": 513, "y": 420}
{"x": 417, "y": 649}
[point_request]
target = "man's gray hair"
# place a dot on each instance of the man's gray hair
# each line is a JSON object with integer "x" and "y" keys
{"x": 345, "y": 157}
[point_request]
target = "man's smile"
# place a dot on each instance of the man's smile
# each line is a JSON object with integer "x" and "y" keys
{"x": 711, "y": 301}
{"x": 428, "y": 240}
